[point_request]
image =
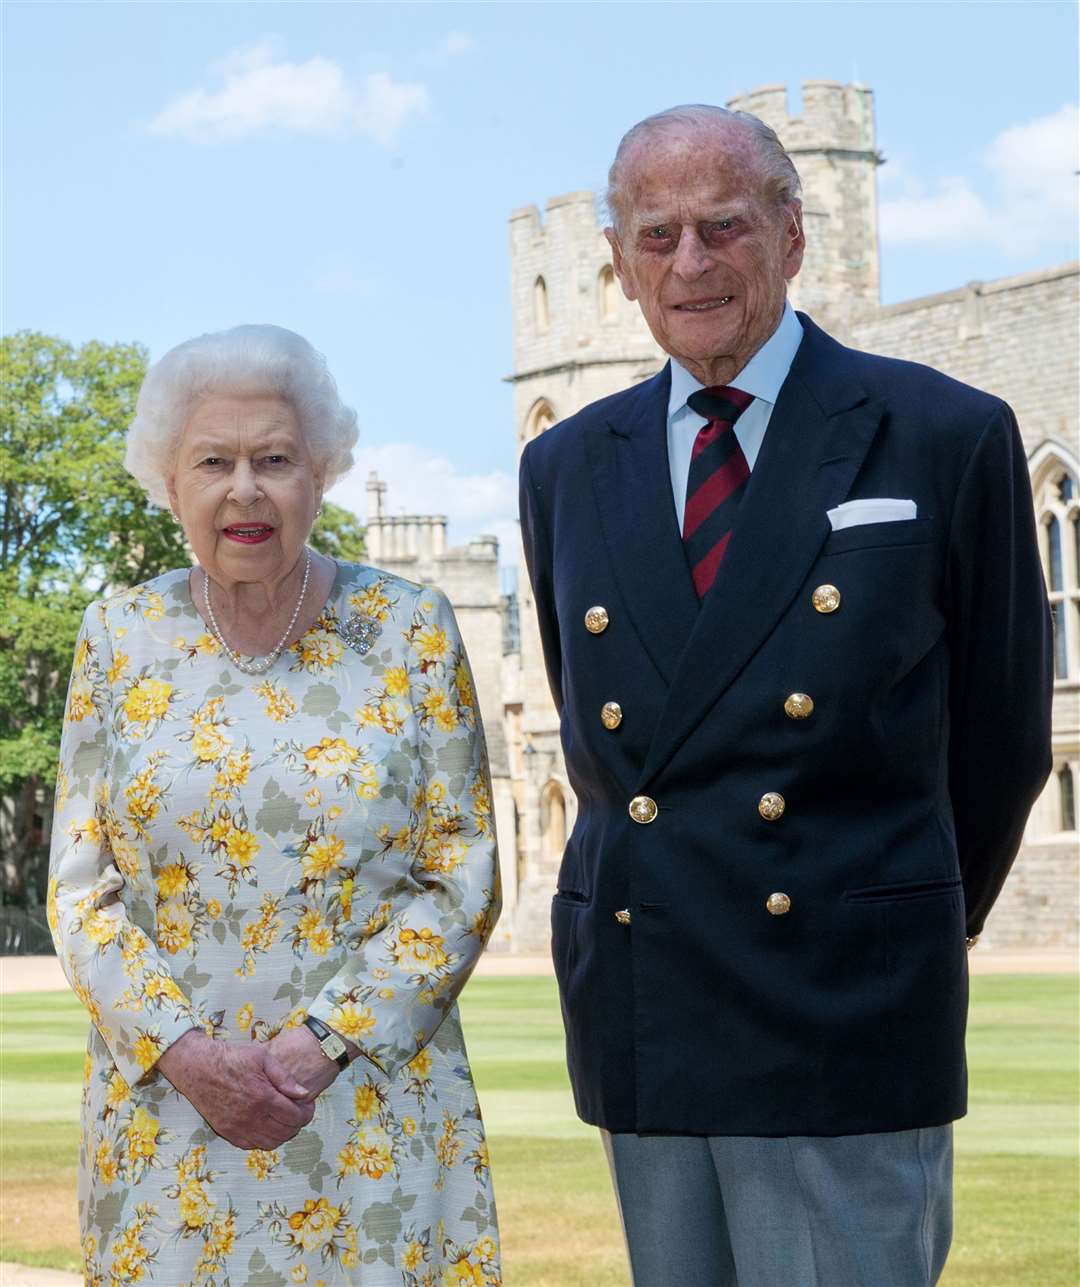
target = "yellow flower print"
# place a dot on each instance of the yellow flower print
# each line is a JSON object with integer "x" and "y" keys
{"x": 210, "y": 742}
{"x": 261, "y": 1162}
{"x": 174, "y": 926}
{"x": 423, "y": 950}
{"x": 352, "y": 1022}
{"x": 313, "y": 797}
{"x": 361, "y": 1156}
{"x": 396, "y": 681}
{"x": 436, "y": 792}
{"x": 334, "y": 812}
{"x": 88, "y": 831}
{"x": 312, "y": 1228}
{"x": 147, "y": 701}
{"x": 213, "y": 909}
{"x": 80, "y": 701}
{"x": 323, "y": 857}
{"x": 88, "y": 1069}
{"x": 173, "y": 879}
{"x": 244, "y": 1016}
{"x": 155, "y": 606}
{"x": 463, "y": 682}
{"x": 332, "y": 755}
{"x": 120, "y": 664}
{"x": 279, "y": 706}
{"x": 98, "y": 926}
{"x": 116, "y": 1093}
{"x": 312, "y": 932}
{"x": 106, "y": 1164}
{"x": 52, "y": 910}
{"x": 443, "y": 854}
{"x": 319, "y": 649}
{"x": 431, "y": 644}
{"x": 367, "y": 786}
{"x": 241, "y": 846}
{"x": 82, "y": 654}
{"x": 298, "y": 1273}
{"x": 448, "y": 1145}
{"x": 413, "y": 1256}
{"x": 408, "y": 1125}
{"x": 373, "y": 601}
{"x": 420, "y": 1065}
{"x": 142, "y": 1134}
{"x": 464, "y": 1273}
{"x": 366, "y": 1102}
{"x": 195, "y": 1204}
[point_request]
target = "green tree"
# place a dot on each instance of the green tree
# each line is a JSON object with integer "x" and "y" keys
{"x": 339, "y": 534}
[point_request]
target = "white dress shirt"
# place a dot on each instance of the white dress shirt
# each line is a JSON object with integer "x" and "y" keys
{"x": 762, "y": 377}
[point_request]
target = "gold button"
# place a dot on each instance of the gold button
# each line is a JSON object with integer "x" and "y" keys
{"x": 611, "y": 715}
{"x": 623, "y": 917}
{"x": 643, "y": 808}
{"x": 596, "y": 620}
{"x": 826, "y": 598}
{"x": 771, "y": 806}
{"x": 778, "y": 904}
{"x": 799, "y": 706}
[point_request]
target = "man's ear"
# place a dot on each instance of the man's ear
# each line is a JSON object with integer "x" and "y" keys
{"x": 626, "y": 280}
{"x": 797, "y": 243}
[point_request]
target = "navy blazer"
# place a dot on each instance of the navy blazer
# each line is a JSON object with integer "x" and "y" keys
{"x": 906, "y": 789}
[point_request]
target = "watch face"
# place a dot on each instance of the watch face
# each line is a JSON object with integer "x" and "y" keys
{"x": 333, "y": 1046}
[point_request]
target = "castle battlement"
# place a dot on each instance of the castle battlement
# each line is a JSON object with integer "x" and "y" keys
{"x": 835, "y": 117}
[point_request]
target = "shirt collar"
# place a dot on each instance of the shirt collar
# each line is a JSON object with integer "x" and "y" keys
{"x": 761, "y": 377}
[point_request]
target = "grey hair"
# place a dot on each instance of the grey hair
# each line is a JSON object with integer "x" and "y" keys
{"x": 244, "y": 360}
{"x": 782, "y": 184}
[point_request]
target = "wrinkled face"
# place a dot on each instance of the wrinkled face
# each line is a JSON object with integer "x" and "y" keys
{"x": 703, "y": 250}
{"x": 244, "y": 487}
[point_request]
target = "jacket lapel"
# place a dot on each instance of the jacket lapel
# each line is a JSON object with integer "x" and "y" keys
{"x": 819, "y": 433}
{"x": 631, "y": 480}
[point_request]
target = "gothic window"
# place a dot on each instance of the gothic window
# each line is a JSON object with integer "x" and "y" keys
{"x": 540, "y": 305}
{"x": 553, "y": 822}
{"x": 541, "y": 416}
{"x": 1067, "y": 795}
{"x": 1058, "y": 510}
{"x": 607, "y": 293}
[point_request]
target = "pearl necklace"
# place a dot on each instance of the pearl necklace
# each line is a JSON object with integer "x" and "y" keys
{"x": 258, "y": 665}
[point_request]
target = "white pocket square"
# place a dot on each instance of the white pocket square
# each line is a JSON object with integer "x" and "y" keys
{"x": 879, "y": 509}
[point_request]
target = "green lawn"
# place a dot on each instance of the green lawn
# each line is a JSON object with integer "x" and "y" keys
{"x": 1017, "y": 1189}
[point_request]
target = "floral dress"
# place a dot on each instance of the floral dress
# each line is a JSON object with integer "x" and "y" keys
{"x": 235, "y": 852}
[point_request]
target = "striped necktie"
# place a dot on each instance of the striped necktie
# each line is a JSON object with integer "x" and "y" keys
{"x": 718, "y": 476}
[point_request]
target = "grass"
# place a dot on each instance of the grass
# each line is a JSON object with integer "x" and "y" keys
{"x": 1016, "y": 1164}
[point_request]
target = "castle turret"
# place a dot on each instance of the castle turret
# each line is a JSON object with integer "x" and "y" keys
{"x": 832, "y": 146}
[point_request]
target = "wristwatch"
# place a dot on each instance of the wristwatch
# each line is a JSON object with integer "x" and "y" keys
{"x": 330, "y": 1043}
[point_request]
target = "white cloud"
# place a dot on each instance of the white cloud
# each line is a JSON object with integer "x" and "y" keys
{"x": 262, "y": 92}
{"x": 422, "y": 482}
{"x": 1029, "y": 174}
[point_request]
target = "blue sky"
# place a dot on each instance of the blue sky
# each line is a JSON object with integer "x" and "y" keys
{"x": 347, "y": 170}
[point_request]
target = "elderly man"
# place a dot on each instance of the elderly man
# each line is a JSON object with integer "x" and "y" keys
{"x": 795, "y": 627}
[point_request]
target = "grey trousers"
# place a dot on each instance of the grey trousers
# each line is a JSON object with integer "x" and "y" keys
{"x": 802, "y": 1211}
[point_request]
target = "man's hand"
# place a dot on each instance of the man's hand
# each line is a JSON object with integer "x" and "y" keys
{"x": 242, "y": 1091}
{"x": 298, "y": 1052}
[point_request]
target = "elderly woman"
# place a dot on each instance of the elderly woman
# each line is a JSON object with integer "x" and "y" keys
{"x": 273, "y": 870}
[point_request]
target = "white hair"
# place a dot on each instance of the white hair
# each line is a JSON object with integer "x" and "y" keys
{"x": 782, "y": 185}
{"x": 244, "y": 360}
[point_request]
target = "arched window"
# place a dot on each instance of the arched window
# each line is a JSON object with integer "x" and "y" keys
{"x": 553, "y": 822}
{"x": 540, "y": 305}
{"x": 541, "y": 416}
{"x": 1067, "y": 796}
{"x": 607, "y": 293}
{"x": 1058, "y": 511}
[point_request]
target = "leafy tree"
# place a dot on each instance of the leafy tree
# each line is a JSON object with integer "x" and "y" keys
{"x": 73, "y": 525}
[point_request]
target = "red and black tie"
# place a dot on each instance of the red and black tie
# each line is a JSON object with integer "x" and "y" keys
{"x": 718, "y": 477}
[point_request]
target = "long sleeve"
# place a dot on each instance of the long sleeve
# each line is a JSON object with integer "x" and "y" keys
{"x": 96, "y": 878}
{"x": 418, "y": 949}
{"x": 1002, "y": 680}
{"x": 538, "y": 559}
